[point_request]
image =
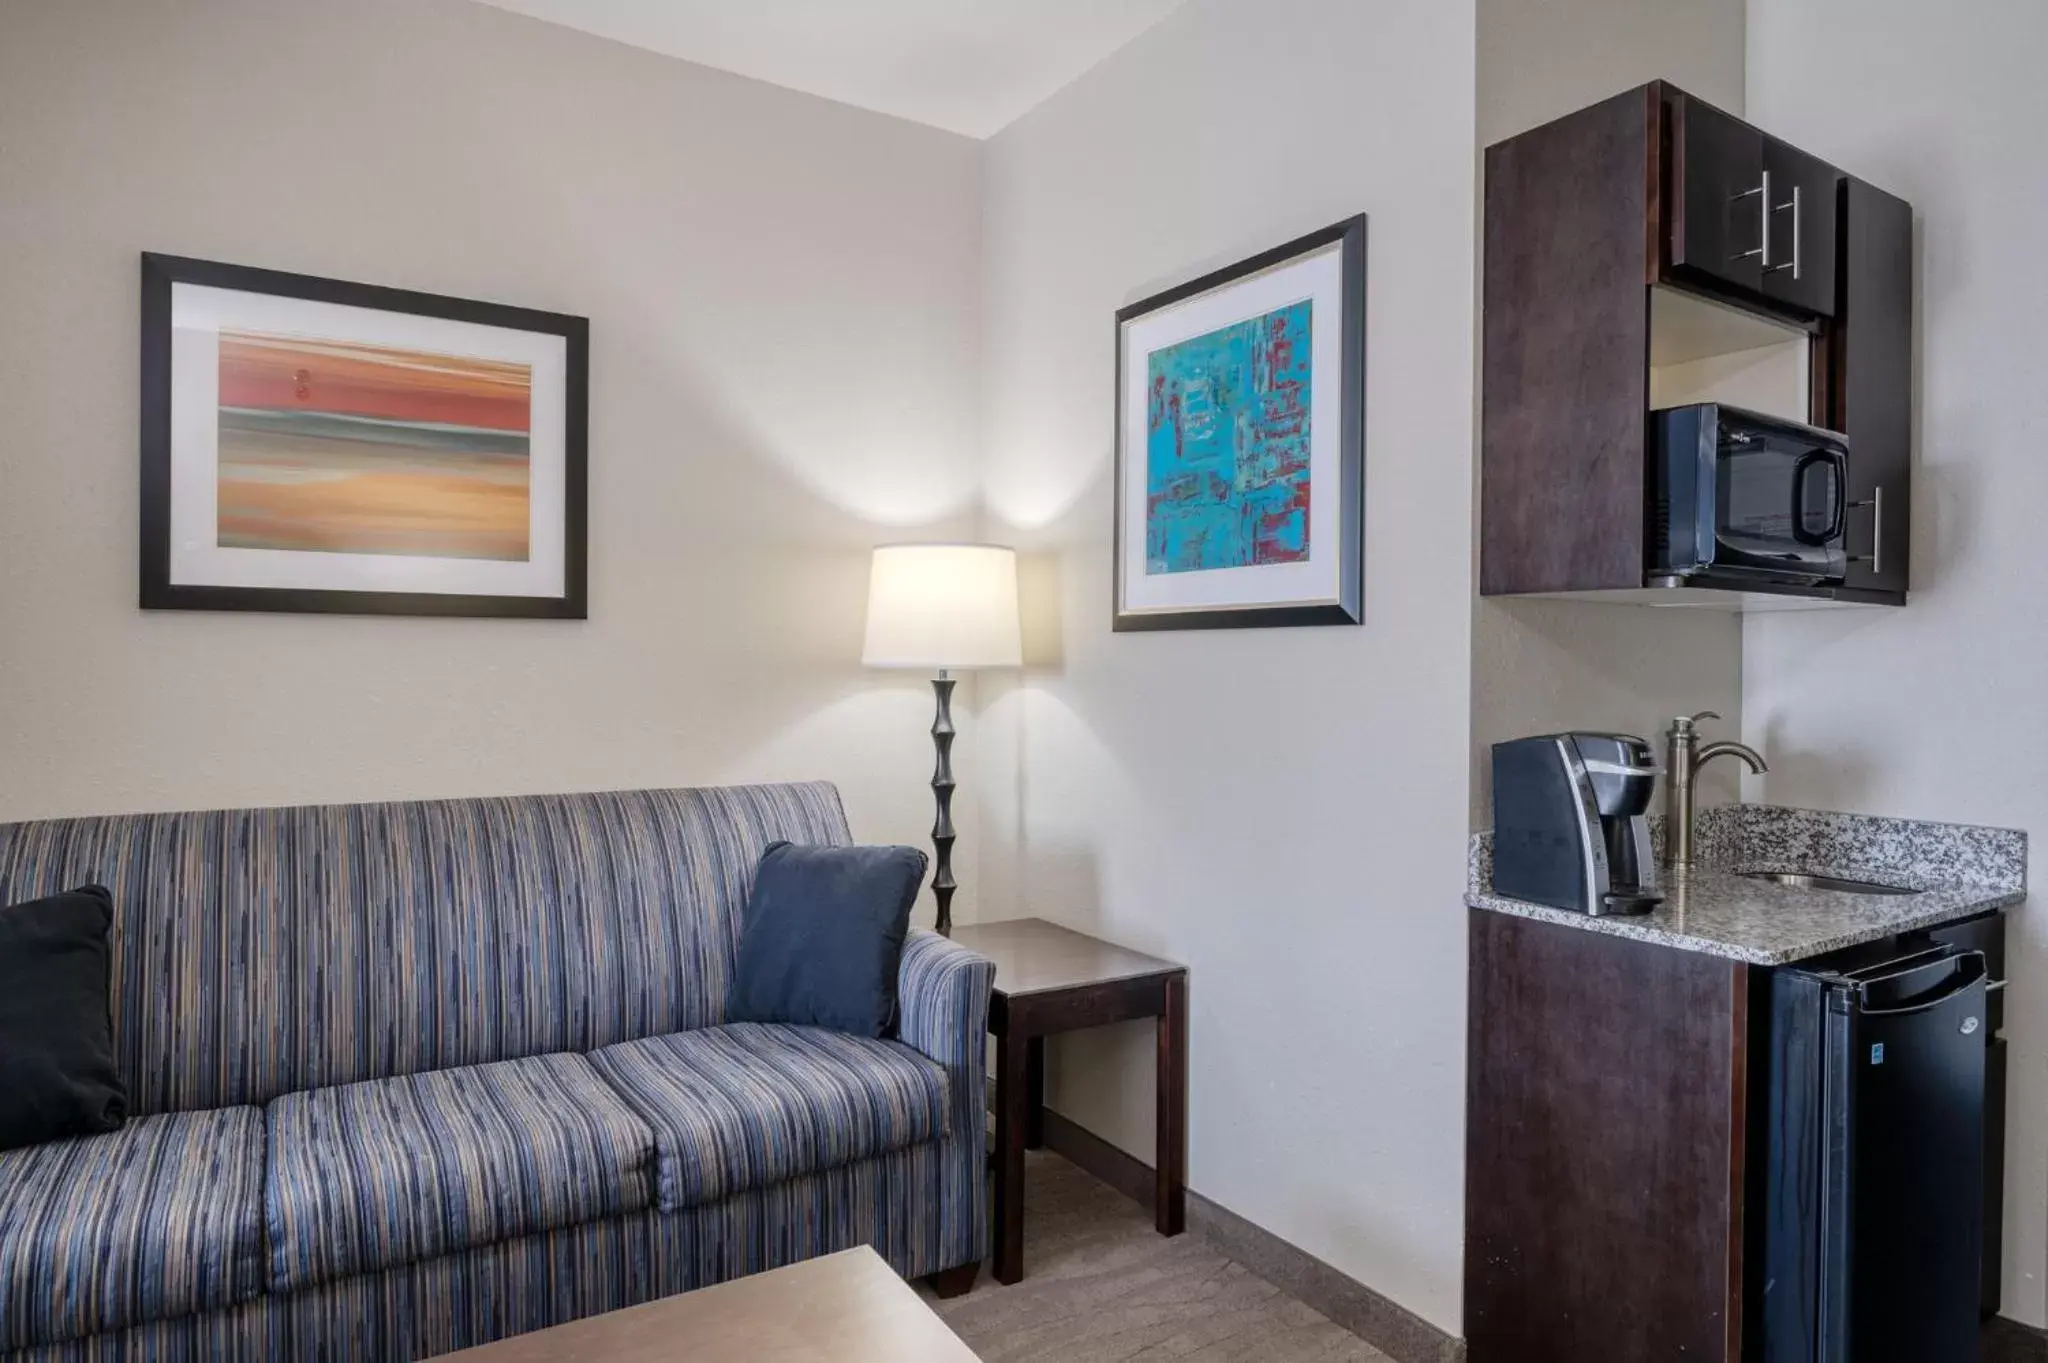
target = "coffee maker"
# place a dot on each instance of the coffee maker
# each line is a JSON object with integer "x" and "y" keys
{"x": 1569, "y": 823}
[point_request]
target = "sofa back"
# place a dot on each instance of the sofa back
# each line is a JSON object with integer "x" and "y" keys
{"x": 262, "y": 951}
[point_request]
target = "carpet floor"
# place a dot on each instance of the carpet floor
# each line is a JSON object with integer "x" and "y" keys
{"x": 1101, "y": 1287}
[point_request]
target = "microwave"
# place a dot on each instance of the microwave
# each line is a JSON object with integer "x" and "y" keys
{"x": 1739, "y": 495}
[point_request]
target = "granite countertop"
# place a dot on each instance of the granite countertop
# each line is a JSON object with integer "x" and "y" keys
{"x": 1959, "y": 870}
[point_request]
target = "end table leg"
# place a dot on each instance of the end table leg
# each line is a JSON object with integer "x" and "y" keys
{"x": 1170, "y": 1194}
{"x": 1012, "y": 1054}
{"x": 1034, "y": 1093}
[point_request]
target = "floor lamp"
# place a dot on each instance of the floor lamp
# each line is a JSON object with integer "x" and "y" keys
{"x": 943, "y": 608}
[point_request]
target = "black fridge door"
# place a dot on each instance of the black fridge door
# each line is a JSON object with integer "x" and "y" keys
{"x": 1905, "y": 1190}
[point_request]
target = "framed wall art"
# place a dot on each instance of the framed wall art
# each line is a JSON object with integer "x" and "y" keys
{"x": 1240, "y": 443}
{"x": 315, "y": 445}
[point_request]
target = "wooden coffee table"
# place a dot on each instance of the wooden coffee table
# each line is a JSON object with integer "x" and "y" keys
{"x": 848, "y": 1307}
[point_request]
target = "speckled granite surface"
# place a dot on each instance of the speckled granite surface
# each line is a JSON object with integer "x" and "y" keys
{"x": 1960, "y": 870}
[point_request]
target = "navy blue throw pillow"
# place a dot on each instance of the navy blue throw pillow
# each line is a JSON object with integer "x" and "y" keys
{"x": 823, "y": 936}
{"x": 57, "y": 1071}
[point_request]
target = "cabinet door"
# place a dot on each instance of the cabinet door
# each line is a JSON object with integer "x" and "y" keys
{"x": 1799, "y": 264}
{"x": 1872, "y": 359}
{"x": 1717, "y": 174}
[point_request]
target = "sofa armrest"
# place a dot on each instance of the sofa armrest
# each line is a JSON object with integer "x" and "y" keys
{"x": 942, "y": 995}
{"x": 942, "y": 992}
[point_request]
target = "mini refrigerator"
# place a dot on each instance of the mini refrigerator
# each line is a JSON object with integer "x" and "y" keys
{"x": 1874, "y": 1180}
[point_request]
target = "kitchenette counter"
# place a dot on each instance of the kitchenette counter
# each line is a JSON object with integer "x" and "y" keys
{"x": 1632, "y": 1082}
{"x": 1956, "y": 871}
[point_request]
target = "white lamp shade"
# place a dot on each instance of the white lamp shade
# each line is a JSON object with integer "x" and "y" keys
{"x": 938, "y": 606}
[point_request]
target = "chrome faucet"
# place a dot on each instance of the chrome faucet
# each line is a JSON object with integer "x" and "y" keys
{"x": 1683, "y": 758}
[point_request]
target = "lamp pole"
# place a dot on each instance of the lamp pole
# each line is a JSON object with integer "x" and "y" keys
{"x": 943, "y": 883}
{"x": 943, "y": 608}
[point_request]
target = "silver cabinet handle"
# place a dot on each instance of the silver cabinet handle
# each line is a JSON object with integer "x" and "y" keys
{"x": 1763, "y": 217}
{"x": 1795, "y": 240}
{"x": 1779, "y": 208}
{"x": 1875, "y": 558}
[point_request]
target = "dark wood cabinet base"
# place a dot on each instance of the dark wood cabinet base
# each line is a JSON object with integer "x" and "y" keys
{"x": 1606, "y": 1106}
{"x": 1619, "y": 1135}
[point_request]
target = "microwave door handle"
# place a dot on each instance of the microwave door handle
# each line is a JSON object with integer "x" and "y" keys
{"x": 1839, "y": 525}
{"x": 1838, "y": 508}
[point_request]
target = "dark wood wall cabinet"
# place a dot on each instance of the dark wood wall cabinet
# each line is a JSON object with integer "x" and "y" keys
{"x": 1652, "y": 250}
{"x": 1749, "y": 213}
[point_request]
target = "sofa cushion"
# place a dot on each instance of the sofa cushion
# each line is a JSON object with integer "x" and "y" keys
{"x": 391, "y": 1171}
{"x": 161, "y": 1218}
{"x": 750, "y": 1104}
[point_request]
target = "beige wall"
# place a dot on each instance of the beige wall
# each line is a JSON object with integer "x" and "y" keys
{"x": 1548, "y": 666}
{"x": 782, "y": 294}
{"x": 1541, "y": 59}
{"x": 1544, "y": 666}
{"x": 1284, "y": 810}
{"x": 1935, "y": 711}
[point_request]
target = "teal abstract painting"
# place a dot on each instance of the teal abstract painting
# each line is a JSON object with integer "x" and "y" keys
{"x": 1227, "y": 446}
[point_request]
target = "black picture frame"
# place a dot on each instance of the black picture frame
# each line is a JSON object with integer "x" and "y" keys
{"x": 158, "y": 592}
{"x": 1349, "y": 606}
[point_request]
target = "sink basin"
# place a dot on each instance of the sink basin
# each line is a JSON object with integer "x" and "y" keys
{"x": 1807, "y": 882}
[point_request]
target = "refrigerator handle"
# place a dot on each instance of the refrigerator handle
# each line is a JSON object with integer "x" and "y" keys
{"x": 1969, "y": 970}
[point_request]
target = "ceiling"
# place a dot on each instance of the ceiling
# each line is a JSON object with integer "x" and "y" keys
{"x": 970, "y": 66}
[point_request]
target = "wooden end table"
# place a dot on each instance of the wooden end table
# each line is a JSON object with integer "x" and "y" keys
{"x": 1053, "y": 979}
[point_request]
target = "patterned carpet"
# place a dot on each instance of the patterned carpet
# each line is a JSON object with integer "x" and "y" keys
{"x": 1100, "y": 1287}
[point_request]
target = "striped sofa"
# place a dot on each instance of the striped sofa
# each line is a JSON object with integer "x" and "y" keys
{"x": 409, "y": 1077}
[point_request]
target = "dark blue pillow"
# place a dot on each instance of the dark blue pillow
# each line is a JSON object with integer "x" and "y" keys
{"x": 823, "y": 936}
{"x": 57, "y": 1072}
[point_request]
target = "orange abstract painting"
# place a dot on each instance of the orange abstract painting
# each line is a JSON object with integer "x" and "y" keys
{"x": 342, "y": 447}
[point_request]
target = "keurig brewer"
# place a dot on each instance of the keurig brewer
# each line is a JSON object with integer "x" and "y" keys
{"x": 1569, "y": 822}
